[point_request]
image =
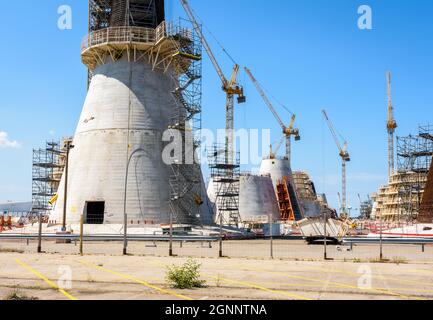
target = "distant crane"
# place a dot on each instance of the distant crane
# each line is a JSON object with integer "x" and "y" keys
{"x": 391, "y": 126}
{"x": 231, "y": 88}
{"x": 345, "y": 157}
{"x": 288, "y": 131}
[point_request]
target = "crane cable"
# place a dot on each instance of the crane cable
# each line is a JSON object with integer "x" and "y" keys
{"x": 234, "y": 61}
{"x": 273, "y": 97}
{"x": 214, "y": 37}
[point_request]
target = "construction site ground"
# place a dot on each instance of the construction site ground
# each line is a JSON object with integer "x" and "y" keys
{"x": 103, "y": 273}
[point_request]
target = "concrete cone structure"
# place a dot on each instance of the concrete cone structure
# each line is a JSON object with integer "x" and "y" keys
{"x": 129, "y": 106}
{"x": 257, "y": 198}
{"x": 280, "y": 168}
{"x": 276, "y": 168}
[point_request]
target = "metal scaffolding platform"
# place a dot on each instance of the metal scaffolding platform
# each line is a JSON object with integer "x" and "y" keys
{"x": 226, "y": 180}
{"x": 414, "y": 158}
{"x": 46, "y": 175}
{"x": 186, "y": 183}
{"x": 109, "y": 13}
{"x": 426, "y": 210}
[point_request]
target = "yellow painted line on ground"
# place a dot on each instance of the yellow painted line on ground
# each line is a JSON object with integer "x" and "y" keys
{"x": 304, "y": 285}
{"x": 339, "y": 284}
{"x": 290, "y": 285}
{"x": 42, "y": 277}
{"x": 125, "y": 276}
{"x": 383, "y": 277}
{"x": 421, "y": 271}
{"x": 249, "y": 284}
{"x": 256, "y": 286}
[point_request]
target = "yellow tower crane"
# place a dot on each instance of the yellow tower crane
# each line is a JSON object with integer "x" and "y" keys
{"x": 288, "y": 131}
{"x": 391, "y": 126}
{"x": 345, "y": 157}
{"x": 231, "y": 88}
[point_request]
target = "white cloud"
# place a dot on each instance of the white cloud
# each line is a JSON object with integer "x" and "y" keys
{"x": 6, "y": 143}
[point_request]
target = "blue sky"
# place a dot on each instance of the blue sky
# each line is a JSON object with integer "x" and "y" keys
{"x": 310, "y": 54}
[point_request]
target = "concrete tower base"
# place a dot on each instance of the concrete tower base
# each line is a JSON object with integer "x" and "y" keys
{"x": 127, "y": 109}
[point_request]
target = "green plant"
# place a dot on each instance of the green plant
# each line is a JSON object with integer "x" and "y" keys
{"x": 16, "y": 295}
{"x": 186, "y": 276}
{"x": 378, "y": 260}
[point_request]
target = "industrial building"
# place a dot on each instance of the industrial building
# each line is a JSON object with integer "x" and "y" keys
{"x": 16, "y": 209}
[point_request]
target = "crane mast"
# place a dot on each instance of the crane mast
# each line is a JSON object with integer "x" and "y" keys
{"x": 288, "y": 131}
{"x": 231, "y": 88}
{"x": 391, "y": 126}
{"x": 345, "y": 157}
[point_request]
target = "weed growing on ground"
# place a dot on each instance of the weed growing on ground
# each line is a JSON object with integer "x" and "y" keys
{"x": 16, "y": 295}
{"x": 9, "y": 250}
{"x": 186, "y": 276}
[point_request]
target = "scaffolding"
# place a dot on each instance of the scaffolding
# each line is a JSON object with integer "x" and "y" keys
{"x": 99, "y": 14}
{"x": 304, "y": 186}
{"x": 186, "y": 183}
{"x": 426, "y": 210}
{"x": 414, "y": 160}
{"x": 414, "y": 153}
{"x": 125, "y": 13}
{"x": 365, "y": 210}
{"x": 401, "y": 199}
{"x": 136, "y": 29}
{"x": 47, "y": 170}
{"x": 103, "y": 14}
{"x": 226, "y": 180}
{"x": 288, "y": 201}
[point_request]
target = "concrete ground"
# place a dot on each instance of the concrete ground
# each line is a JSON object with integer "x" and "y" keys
{"x": 108, "y": 275}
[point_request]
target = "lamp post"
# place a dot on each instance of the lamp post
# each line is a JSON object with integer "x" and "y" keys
{"x": 271, "y": 234}
{"x": 69, "y": 146}
{"x": 221, "y": 237}
{"x": 325, "y": 240}
{"x": 40, "y": 233}
{"x": 125, "y": 216}
{"x": 170, "y": 244}
{"x": 381, "y": 236}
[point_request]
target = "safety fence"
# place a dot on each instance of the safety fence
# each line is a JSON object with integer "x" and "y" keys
{"x": 350, "y": 249}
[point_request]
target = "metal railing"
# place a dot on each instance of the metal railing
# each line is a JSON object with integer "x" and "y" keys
{"x": 127, "y": 35}
{"x": 118, "y": 35}
{"x": 108, "y": 237}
